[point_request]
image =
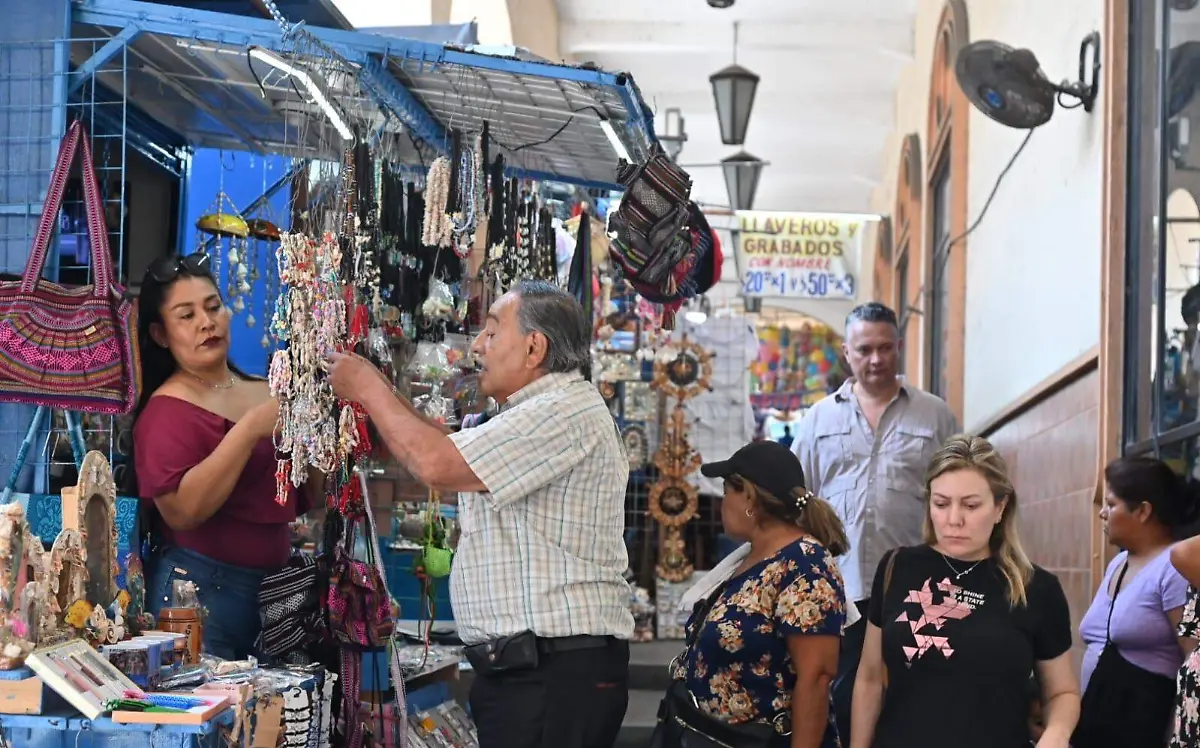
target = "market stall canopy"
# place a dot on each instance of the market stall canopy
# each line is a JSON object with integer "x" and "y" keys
{"x": 194, "y": 72}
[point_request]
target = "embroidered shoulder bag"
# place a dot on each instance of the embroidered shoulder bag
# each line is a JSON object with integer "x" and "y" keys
{"x": 73, "y": 348}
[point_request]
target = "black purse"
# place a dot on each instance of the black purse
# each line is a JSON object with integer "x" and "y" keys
{"x": 1124, "y": 705}
{"x": 682, "y": 724}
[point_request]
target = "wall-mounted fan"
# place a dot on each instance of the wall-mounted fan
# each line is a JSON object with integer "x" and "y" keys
{"x": 1009, "y": 86}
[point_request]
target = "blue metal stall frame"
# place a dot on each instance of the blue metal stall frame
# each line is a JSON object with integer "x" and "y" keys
{"x": 383, "y": 61}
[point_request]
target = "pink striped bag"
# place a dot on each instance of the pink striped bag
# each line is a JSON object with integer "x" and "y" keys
{"x": 72, "y": 348}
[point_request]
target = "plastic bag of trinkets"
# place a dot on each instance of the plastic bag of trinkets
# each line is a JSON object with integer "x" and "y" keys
{"x": 439, "y": 303}
{"x": 432, "y": 368}
{"x": 431, "y": 362}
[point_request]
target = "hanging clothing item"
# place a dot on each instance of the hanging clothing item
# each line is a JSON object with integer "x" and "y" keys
{"x": 564, "y": 251}
{"x": 722, "y": 419}
{"x": 579, "y": 284}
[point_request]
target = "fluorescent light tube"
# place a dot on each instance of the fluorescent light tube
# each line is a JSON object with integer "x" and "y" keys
{"x": 318, "y": 95}
{"x": 616, "y": 143}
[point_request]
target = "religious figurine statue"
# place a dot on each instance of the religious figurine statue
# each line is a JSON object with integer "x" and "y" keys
{"x": 22, "y": 588}
{"x": 90, "y": 508}
{"x": 137, "y": 619}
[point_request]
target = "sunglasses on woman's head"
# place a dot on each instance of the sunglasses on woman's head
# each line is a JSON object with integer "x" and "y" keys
{"x": 168, "y": 269}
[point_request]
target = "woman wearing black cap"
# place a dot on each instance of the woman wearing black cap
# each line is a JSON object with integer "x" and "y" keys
{"x": 763, "y": 646}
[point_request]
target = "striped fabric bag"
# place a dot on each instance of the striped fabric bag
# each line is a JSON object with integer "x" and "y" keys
{"x": 650, "y": 224}
{"x": 69, "y": 347}
{"x": 290, "y": 612}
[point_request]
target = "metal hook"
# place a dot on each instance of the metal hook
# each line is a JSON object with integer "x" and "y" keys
{"x": 1089, "y": 86}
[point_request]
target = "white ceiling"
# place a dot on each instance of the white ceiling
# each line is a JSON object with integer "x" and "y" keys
{"x": 822, "y": 115}
{"x": 825, "y": 104}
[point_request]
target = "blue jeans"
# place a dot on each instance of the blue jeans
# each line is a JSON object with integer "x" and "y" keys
{"x": 229, "y": 593}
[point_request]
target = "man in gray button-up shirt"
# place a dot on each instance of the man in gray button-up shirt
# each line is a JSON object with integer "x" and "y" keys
{"x": 865, "y": 449}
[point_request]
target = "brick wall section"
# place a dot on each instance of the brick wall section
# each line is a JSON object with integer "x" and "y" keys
{"x": 1052, "y": 452}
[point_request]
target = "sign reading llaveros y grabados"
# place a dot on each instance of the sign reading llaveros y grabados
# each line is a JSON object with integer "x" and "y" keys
{"x": 799, "y": 255}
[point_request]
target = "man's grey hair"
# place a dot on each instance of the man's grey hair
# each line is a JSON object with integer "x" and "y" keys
{"x": 548, "y": 309}
{"x": 872, "y": 311}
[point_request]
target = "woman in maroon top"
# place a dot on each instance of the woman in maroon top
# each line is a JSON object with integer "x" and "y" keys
{"x": 204, "y": 458}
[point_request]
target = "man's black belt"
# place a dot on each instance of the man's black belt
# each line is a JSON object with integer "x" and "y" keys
{"x": 555, "y": 645}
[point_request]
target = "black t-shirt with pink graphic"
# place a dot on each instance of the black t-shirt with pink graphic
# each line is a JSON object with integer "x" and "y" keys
{"x": 958, "y": 655}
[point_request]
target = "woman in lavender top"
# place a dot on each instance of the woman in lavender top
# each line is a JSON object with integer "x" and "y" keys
{"x": 1146, "y": 505}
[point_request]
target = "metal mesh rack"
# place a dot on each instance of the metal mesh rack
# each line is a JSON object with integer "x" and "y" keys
{"x": 29, "y": 91}
{"x": 27, "y": 108}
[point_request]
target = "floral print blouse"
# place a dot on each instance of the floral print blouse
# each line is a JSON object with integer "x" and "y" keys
{"x": 1187, "y": 687}
{"x": 738, "y": 667}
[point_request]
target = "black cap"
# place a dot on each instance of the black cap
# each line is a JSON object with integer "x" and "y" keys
{"x": 767, "y": 464}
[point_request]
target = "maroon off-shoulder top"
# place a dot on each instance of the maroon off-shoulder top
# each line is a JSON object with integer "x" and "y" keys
{"x": 250, "y": 529}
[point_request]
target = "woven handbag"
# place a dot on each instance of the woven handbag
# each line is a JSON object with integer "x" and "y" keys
{"x": 61, "y": 347}
{"x": 359, "y": 610}
{"x": 650, "y": 223}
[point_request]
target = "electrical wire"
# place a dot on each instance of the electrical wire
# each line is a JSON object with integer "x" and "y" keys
{"x": 942, "y": 256}
{"x": 559, "y": 131}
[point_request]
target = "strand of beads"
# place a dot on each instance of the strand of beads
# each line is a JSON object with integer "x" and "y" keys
{"x": 465, "y": 221}
{"x": 438, "y": 229}
{"x": 311, "y": 319}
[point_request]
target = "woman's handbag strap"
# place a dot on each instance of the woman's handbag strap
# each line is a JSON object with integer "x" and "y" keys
{"x": 75, "y": 139}
{"x": 1113, "y": 602}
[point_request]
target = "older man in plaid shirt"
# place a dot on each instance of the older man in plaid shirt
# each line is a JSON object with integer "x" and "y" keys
{"x": 538, "y": 589}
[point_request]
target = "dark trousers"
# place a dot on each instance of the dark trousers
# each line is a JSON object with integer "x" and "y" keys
{"x": 848, "y": 659}
{"x": 573, "y": 699}
{"x": 230, "y": 593}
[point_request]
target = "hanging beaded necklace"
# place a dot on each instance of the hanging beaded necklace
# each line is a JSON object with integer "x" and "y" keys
{"x": 438, "y": 230}
{"x": 311, "y": 320}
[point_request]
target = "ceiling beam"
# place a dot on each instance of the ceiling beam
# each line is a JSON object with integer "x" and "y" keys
{"x": 893, "y": 40}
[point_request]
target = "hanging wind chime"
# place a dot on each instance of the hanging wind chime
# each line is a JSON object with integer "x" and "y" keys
{"x": 223, "y": 235}
{"x": 264, "y": 235}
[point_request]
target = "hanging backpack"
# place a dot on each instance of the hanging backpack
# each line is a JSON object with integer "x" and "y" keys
{"x": 650, "y": 224}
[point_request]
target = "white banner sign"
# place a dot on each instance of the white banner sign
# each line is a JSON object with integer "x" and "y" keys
{"x": 799, "y": 255}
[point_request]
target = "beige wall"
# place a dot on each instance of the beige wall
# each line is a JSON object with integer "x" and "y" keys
{"x": 1033, "y": 277}
{"x": 535, "y": 27}
{"x": 912, "y": 115}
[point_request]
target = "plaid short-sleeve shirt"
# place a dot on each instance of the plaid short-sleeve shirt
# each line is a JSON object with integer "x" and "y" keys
{"x": 543, "y": 549}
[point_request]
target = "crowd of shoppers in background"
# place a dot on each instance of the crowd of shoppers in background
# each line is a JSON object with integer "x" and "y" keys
{"x": 893, "y": 603}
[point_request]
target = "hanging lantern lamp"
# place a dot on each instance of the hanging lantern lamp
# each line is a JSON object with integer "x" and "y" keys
{"x": 742, "y": 172}
{"x": 733, "y": 94}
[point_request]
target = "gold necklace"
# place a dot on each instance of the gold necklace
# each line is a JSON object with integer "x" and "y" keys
{"x": 226, "y": 386}
{"x": 960, "y": 574}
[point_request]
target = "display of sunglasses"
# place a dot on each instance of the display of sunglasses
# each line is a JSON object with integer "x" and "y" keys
{"x": 168, "y": 269}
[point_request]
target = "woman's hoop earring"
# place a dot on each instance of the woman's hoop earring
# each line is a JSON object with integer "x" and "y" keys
{"x": 749, "y": 513}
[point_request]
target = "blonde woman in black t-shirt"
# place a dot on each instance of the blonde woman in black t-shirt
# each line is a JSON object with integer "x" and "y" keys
{"x": 955, "y": 626}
